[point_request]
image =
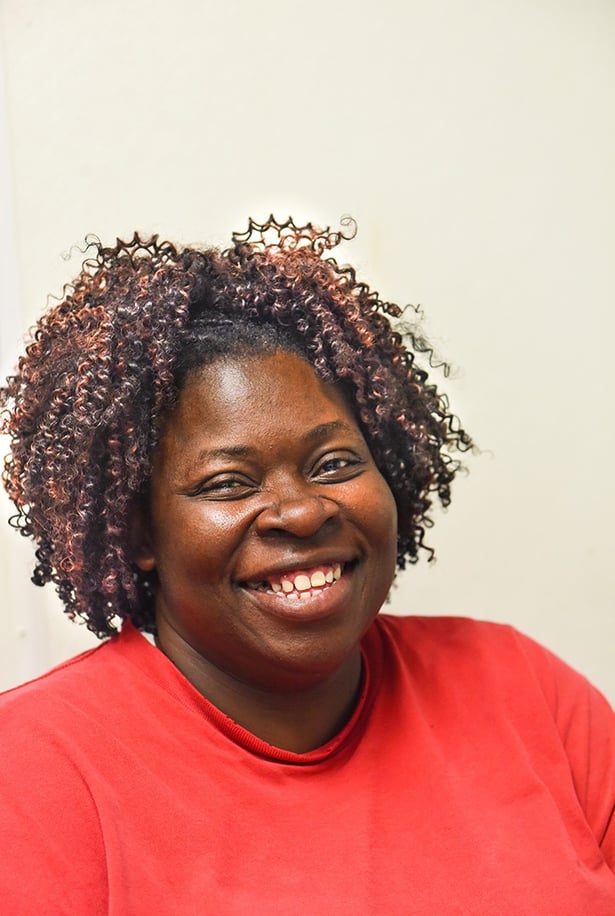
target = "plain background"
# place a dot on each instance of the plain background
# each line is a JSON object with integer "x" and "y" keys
{"x": 474, "y": 144}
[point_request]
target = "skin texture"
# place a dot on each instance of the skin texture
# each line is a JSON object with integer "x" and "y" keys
{"x": 262, "y": 471}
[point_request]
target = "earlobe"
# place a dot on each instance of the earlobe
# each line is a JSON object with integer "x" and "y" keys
{"x": 139, "y": 539}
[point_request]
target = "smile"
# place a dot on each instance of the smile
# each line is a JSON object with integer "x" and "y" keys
{"x": 302, "y": 583}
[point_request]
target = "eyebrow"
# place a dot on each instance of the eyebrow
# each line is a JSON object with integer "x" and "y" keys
{"x": 226, "y": 451}
{"x": 324, "y": 429}
{"x": 245, "y": 451}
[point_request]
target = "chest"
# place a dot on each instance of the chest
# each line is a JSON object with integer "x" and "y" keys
{"x": 410, "y": 822}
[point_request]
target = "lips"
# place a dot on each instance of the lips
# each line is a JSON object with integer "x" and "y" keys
{"x": 299, "y": 583}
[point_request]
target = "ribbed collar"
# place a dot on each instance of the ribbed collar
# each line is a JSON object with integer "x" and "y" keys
{"x": 138, "y": 650}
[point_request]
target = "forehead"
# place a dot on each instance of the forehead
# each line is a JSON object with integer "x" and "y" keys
{"x": 253, "y": 397}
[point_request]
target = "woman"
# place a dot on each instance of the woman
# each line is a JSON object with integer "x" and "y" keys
{"x": 233, "y": 452}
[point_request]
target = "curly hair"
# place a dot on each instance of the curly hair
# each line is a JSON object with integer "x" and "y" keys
{"x": 105, "y": 364}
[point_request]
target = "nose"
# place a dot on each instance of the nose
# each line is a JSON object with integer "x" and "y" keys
{"x": 301, "y": 516}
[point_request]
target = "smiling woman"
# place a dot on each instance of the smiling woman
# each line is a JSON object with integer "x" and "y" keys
{"x": 250, "y": 511}
{"x": 232, "y": 452}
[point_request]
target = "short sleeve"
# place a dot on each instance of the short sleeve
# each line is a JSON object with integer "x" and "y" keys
{"x": 586, "y": 724}
{"x": 53, "y": 858}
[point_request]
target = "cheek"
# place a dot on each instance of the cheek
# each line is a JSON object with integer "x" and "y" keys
{"x": 388, "y": 519}
{"x": 198, "y": 540}
{"x": 379, "y": 524}
{"x": 377, "y": 511}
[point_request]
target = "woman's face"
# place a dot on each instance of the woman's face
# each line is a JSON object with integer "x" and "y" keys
{"x": 272, "y": 532}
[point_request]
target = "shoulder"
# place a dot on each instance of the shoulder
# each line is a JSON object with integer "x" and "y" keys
{"x": 449, "y": 632}
{"x": 495, "y": 667}
{"x": 46, "y": 806}
{"x": 50, "y": 711}
{"x": 56, "y": 744}
{"x": 492, "y": 676}
{"x": 484, "y": 647}
{"x": 63, "y": 681}
{"x": 42, "y": 720}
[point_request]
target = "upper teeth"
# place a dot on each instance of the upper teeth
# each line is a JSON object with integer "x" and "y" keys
{"x": 301, "y": 582}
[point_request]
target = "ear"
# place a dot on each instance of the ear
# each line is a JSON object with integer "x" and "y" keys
{"x": 140, "y": 545}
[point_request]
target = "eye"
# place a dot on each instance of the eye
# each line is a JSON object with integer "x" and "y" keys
{"x": 335, "y": 467}
{"x": 228, "y": 486}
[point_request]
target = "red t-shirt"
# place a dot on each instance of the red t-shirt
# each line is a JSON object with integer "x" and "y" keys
{"x": 476, "y": 776}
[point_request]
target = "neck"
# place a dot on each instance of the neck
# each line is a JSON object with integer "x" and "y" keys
{"x": 297, "y": 720}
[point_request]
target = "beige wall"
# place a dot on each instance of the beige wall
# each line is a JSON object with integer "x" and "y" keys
{"x": 473, "y": 141}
